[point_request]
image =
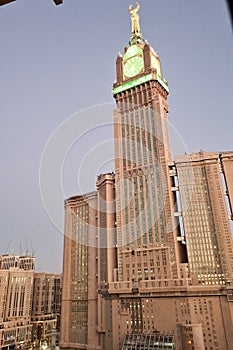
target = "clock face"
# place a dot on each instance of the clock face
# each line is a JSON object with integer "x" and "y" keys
{"x": 133, "y": 66}
{"x": 132, "y": 51}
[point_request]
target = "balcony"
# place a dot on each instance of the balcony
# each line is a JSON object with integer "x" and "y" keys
{"x": 152, "y": 286}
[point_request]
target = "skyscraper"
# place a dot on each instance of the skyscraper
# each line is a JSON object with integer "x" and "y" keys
{"x": 206, "y": 220}
{"x": 79, "y": 294}
{"x": 148, "y": 256}
{"x": 144, "y": 202}
{"x": 227, "y": 168}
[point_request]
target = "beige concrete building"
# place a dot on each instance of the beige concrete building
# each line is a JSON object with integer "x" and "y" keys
{"x": 148, "y": 256}
{"x": 207, "y": 230}
{"x": 227, "y": 168}
{"x": 80, "y": 284}
{"x": 46, "y": 304}
{"x": 29, "y": 304}
{"x": 16, "y": 287}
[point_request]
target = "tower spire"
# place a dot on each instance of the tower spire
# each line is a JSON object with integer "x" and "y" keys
{"x": 136, "y": 35}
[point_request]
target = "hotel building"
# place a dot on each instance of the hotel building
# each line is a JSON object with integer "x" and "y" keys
{"x": 16, "y": 287}
{"x": 148, "y": 256}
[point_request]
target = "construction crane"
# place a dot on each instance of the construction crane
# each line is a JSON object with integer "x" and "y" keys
{"x": 4, "y": 2}
{"x": 7, "y": 247}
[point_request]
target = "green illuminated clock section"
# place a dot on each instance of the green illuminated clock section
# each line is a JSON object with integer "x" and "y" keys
{"x": 133, "y": 66}
{"x": 132, "y": 51}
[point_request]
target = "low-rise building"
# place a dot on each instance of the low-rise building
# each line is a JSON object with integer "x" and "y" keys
{"x": 29, "y": 305}
{"x": 16, "y": 292}
{"x": 46, "y": 309}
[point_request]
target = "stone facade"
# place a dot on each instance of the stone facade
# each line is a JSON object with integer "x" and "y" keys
{"x": 149, "y": 254}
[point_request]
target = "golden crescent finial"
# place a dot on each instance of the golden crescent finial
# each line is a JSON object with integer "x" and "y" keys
{"x": 135, "y": 20}
{"x": 134, "y": 11}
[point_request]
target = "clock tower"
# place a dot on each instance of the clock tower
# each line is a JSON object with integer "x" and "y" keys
{"x": 139, "y": 57}
{"x": 147, "y": 227}
{"x": 146, "y": 283}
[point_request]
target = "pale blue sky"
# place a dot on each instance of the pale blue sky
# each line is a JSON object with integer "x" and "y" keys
{"x": 57, "y": 60}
